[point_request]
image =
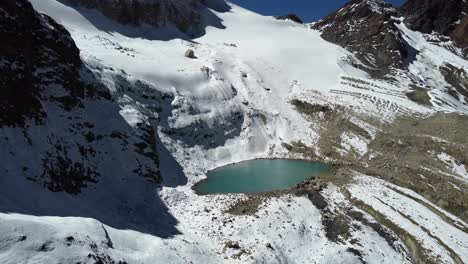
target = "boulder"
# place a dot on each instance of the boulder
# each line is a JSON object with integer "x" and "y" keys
{"x": 190, "y": 54}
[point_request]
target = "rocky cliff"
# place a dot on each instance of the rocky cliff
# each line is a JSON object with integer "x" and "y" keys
{"x": 367, "y": 28}
{"x": 68, "y": 142}
{"x": 184, "y": 14}
{"x": 446, "y": 17}
{"x": 39, "y": 60}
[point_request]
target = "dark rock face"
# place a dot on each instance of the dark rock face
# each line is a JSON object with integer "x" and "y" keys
{"x": 292, "y": 17}
{"x": 366, "y": 28}
{"x": 41, "y": 70}
{"x": 457, "y": 78}
{"x": 40, "y": 66}
{"x": 182, "y": 13}
{"x": 446, "y": 17}
{"x": 38, "y": 60}
{"x": 68, "y": 146}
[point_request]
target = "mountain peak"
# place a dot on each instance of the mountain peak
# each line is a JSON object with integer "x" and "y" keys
{"x": 364, "y": 27}
{"x": 378, "y": 6}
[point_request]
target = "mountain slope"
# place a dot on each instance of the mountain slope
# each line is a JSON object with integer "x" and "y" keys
{"x": 379, "y": 36}
{"x": 448, "y": 18}
{"x": 154, "y": 122}
{"x": 71, "y": 147}
{"x": 368, "y": 29}
{"x": 35, "y": 68}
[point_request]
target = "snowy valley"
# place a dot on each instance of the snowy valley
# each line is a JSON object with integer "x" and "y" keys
{"x": 106, "y": 126}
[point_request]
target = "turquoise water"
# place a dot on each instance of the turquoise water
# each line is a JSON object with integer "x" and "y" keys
{"x": 258, "y": 176}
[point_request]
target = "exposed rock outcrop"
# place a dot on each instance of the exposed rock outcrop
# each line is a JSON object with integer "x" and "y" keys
{"x": 457, "y": 78}
{"x": 38, "y": 60}
{"x": 367, "y": 28}
{"x": 292, "y": 17}
{"x": 74, "y": 147}
{"x": 446, "y": 17}
{"x": 184, "y": 14}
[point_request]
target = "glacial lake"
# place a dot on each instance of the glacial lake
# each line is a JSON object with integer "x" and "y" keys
{"x": 260, "y": 175}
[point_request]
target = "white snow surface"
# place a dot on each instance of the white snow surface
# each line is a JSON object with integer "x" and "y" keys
{"x": 270, "y": 63}
{"x": 351, "y": 142}
{"x": 458, "y": 168}
{"x": 282, "y": 60}
{"x": 418, "y": 220}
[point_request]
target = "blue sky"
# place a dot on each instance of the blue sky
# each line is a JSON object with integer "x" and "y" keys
{"x": 308, "y": 10}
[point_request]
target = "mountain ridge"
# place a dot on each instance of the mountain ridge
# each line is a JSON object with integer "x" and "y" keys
{"x": 448, "y": 18}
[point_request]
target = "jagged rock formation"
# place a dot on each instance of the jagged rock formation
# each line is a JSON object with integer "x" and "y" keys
{"x": 36, "y": 52}
{"x": 292, "y": 17}
{"x": 65, "y": 137}
{"x": 366, "y": 27}
{"x": 184, "y": 14}
{"x": 457, "y": 78}
{"x": 446, "y": 17}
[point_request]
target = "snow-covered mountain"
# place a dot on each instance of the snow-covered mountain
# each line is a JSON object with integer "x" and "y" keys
{"x": 448, "y": 18}
{"x": 369, "y": 30}
{"x": 106, "y": 126}
{"x": 70, "y": 147}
